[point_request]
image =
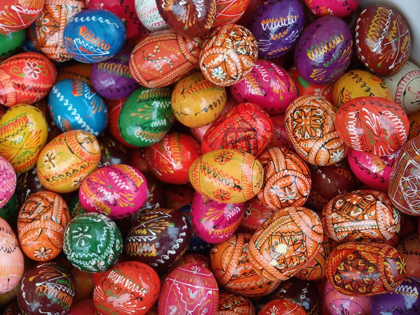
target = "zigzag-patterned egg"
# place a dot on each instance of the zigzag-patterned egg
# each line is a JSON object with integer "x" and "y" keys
{"x": 17, "y": 15}
{"x": 149, "y": 15}
{"x": 79, "y": 71}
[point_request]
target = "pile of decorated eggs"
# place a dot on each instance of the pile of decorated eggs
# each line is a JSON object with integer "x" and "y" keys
{"x": 211, "y": 157}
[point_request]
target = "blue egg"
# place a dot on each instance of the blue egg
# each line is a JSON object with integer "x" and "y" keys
{"x": 94, "y": 35}
{"x": 73, "y": 104}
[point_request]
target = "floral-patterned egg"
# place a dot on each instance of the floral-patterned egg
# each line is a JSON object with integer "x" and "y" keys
{"x": 267, "y": 85}
{"x": 285, "y": 243}
{"x": 229, "y": 11}
{"x": 41, "y": 223}
{"x": 338, "y": 8}
{"x": 159, "y": 238}
{"x": 50, "y": 27}
{"x": 324, "y": 50}
{"x": 149, "y": 15}
{"x": 409, "y": 249}
{"x": 47, "y": 288}
{"x": 78, "y": 71}
{"x": 287, "y": 179}
{"x": 228, "y": 55}
{"x": 232, "y": 269}
{"x": 74, "y": 105}
{"x": 246, "y": 127}
{"x": 83, "y": 307}
{"x": 277, "y": 26}
{"x": 405, "y": 87}
{"x": 93, "y": 36}
{"x": 358, "y": 83}
{"x": 112, "y": 152}
{"x": 11, "y": 42}
{"x": 67, "y": 159}
{"x": 127, "y": 288}
{"x": 26, "y": 78}
{"x": 215, "y": 222}
{"x": 227, "y": 176}
{"x": 114, "y": 110}
{"x": 92, "y": 242}
{"x": 282, "y": 307}
{"x": 16, "y": 15}
{"x": 359, "y": 269}
{"x": 162, "y": 59}
{"x": 189, "y": 289}
{"x": 7, "y": 181}
{"x": 255, "y": 214}
{"x": 312, "y": 128}
{"x": 11, "y": 263}
{"x": 383, "y": 41}
{"x": 232, "y": 304}
{"x": 373, "y": 125}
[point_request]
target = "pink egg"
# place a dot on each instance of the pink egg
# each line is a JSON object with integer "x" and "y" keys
{"x": 7, "y": 181}
{"x": 215, "y": 222}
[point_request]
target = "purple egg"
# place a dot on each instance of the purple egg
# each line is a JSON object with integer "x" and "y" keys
{"x": 112, "y": 78}
{"x": 324, "y": 50}
{"x": 277, "y": 25}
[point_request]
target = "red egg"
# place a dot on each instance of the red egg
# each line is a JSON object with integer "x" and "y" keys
{"x": 177, "y": 196}
{"x": 229, "y": 11}
{"x": 255, "y": 215}
{"x": 282, "y": 307}
{"x": 114, "y": 110}
{"x": 16, "y": 15}
{"x": 280, "y": 137}
{"x": 232, "y": 304}
{"x": 83, "y": 307}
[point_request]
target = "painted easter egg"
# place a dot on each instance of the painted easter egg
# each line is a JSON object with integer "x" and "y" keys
{"x": 373, "y": 125}
{"x": 162, "y": 59}
{"x": 277, "y": 26}
{"x": 188, "y": 18}
{"x": 199, "y": 259}
{"x": 41, "y": 223}
{"x": 375, "y": 269}
{"x": 73, "y": 104}
{"x": 229, "y": 11}
{"x": 146, "y": 116}
{"x": 47, "y": 288}
{"x": 117, "y": 191}
{"x": 17, "y": 15}
{"x": 78, "y": 71}
{"x": 246, "y": 127}
{"x": 12, "y": 262}
{"x": 359, "y": 83}
{"x": 374, "y": 171}
{"x": 324, "y": 50}
{"x": 159, "y": 238}
{"x": 149, "y": 15}
{"x": 112, "y": 152}
{"x": 287, "y": 179}
{"x": 93, "y": 36}
{"x": 311, "y": 125}
{"x": 92, "y": 242}
{"x": 267, "y": 85}
{"x": 255, "y": 214}
{"x": 338, "y": 8}
{"x": 11, "y": 42}
{"x": 282, "y": 307}
{"x": 67, "y": 159}
{"x": 274, "y": 255}
{"x": 177, "y": 196}
{"x": 114, "y": 110}
{"x": 232, "y": 269}
{"x": 26, "y": 78}
{"x": 404, "y": 86}
{"x": 383, "y": 41}
{"x": 215, "y": 222}
{"x": 176, "y": 293}
{"x": 172, "y": 157}
{"x": 227, "y": 176}
{"x": 50, "y": 27}
{"x": 7, "y": 181}
{"x": 232, "y": 304}
{"x": 127, "y": 288}
{"x": 84, "y": 284}
{"x": 83, "y": 307}
{"x": 228, "y": 55}
{"x": 409, "y": 250}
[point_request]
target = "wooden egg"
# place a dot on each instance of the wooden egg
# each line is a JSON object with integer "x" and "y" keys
{"x": 365, "y": 269}
{"x": 26, "y": 78}
{"x": 282, "y": 307}
{"x": 409, "y": 249}
{"x": 232, "y": 304}
{"x": 66, "y": 161}
{"x": 7, "y": 181}
{"x": 373, "y": 125}
{"x": 332, "y": 7}
{"x": 229, "y": 11}
{"x": 246, "y": 127}
{"x": 383, "y": 41}
{"x": 312, "y": 128}
{"x": 83, "y": 283}
{"x": 285, "y": 243}
{"x": 227, "y": 176}
{"x": 255, "y": 214}
{"x": 78, "y": 71}
{"x": 114, "y": 110}
{"x": 149, "y": 15}
{"x": 17, "y": 15}
{"x": 232, "y": 269}
{"x": 199, "y": 259}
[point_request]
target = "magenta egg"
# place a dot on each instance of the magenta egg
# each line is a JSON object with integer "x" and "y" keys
{"x": 7, "y": 181}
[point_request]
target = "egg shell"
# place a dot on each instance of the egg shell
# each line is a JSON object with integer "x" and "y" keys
{"x": 174, "y": 293}
{"x": 93, "y": 36}
{"x": 359, "y": 269}
{"x": 114, "y": 110}
{"x": 12, "y": 262}
{"x": 255, "y": 214}
{"x": 383, "y": 41}
{"x": 228, "y": 55}
{"x": 78, "y": 71}
{"x": 359, "y": 83}
{"x": 332, "y": 7}
{"x": 67, "y": 159}
{"x": 409, "y": 250}
{"x": 149, "y": 15}
{"x": 47, "y": 288}
{"x": 373, "y": 125}
{"x": 246, "y": 127}
{"x": 312, "y": 128}
{"x": 277, "y": 26}
{"x": 26, "y": 78}
{"x": 229, "y": 11}
{"x": 324, "y": 50}
{"x": 73, "y": 104}
{"x": 11, "y": 42}
{"x": 83, "y": 307}
{"x": 17, "y": 15}
{"x": 112, "y": 152}
{"x": 232, "y": 304}
{"x": 282, "y": 307}
{"x": 268, "y": 86}
{"x": 7, "y": 181}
